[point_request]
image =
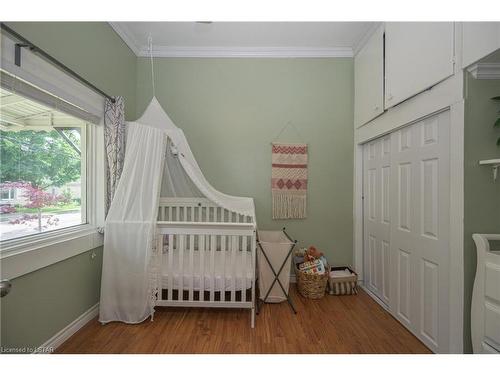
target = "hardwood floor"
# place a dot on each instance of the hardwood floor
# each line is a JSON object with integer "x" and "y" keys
{"x": 346, "y": 324}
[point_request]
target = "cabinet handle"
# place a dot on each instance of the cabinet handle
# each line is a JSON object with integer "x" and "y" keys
{"x": 5, "y": 287}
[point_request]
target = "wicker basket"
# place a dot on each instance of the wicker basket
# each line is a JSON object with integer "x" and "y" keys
{"x": 339, "y": 286}
{"x": 311, "y": 285}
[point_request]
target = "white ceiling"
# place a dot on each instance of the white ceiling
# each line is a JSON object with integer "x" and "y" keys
{"x": 244, "y": 39}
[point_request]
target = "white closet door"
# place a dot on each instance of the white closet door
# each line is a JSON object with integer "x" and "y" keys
{"x": 406, "y": 216}
{"x": 377, "y": 220}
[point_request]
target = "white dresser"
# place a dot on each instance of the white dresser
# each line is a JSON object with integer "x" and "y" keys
{"x": 485, "y": 310}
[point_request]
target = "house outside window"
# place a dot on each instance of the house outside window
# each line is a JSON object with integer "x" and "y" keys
{"x": 42, "y": 168}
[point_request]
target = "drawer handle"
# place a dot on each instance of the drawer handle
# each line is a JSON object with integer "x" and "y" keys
{"x": 5, "y": 286}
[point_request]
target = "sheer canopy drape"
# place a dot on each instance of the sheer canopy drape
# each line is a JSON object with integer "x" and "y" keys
{"x": 130, "y": 228}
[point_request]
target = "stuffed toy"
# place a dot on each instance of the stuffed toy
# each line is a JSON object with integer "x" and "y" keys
{"x": 312, "y": 254}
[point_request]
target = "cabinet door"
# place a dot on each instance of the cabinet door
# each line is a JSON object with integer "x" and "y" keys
{"x": 479, "y": 40}
{"x": 369, "y": 79}
{"x": 417, "y": 56}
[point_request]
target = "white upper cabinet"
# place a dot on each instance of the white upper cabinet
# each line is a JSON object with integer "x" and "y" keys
{"x": 417, "y": 56}
{"x": 479, "y": 40}
{"x": 369, "y": 79}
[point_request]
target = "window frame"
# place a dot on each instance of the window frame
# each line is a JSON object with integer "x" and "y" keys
{"x": 30, "y": 253}
{"x": 22, "y": 255}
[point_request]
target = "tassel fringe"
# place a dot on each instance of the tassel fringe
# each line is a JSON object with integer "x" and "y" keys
{"x": 286, "y": 206}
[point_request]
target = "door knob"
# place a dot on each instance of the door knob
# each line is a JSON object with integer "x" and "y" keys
{"x": 5, "y": 286}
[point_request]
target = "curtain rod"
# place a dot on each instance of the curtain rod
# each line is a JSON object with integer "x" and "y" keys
{"x": 25, "y": 43}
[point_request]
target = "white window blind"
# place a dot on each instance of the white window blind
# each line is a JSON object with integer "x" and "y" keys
{"x": 44, "y": 78}
{"x": 18, "y": 86}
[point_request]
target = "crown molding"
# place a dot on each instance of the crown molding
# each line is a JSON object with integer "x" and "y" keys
{"x": 365, "y": 37}
{"x": 142, "y": 50}
{"x": 247, "y": 52}
{"x": 485, "y": 70}
{"x": 129, "y": 40}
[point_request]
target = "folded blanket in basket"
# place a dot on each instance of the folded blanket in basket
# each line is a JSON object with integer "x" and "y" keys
{"x": 340, "y": 273}
{"x": 313, "y": 267}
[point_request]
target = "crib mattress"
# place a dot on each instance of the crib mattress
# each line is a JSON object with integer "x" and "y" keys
{"x": 222, "y": 274}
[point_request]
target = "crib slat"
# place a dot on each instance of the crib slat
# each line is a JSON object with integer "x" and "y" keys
{"x": 178, "y": 213}
{"x": 201, "y": 254}
{"x": 233, "y": 271}
{"x": 253, "y": 250}
{"x": 223, "y": 254}
{"x": 212, "y": 266}
{"x": 169, "y": 213}
{"x": 244, "y": 269}
{"x": 200, "y": 212}
{"x": 191, "y": 266}
{"x": 170, "y": 265}
{"x": 180, "y": 293}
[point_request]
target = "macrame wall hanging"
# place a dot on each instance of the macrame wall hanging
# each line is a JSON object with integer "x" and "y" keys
{"x": 289, "y": 179}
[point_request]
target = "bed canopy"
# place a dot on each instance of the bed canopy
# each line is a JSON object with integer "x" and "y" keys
{"x": 158, "y": 163}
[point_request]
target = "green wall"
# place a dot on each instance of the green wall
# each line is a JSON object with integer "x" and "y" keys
{"x": 230, "y": 111}
{"x": 482, "y": 195}
{"x": 92, "y": 49}
{"x": 43, "y": 302}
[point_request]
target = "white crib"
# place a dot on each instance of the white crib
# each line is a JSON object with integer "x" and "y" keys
{"x": 205, "y": 256}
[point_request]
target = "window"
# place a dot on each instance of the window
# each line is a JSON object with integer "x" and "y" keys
{"x": 7, "y": 194}
{"x": 42, "y": 168}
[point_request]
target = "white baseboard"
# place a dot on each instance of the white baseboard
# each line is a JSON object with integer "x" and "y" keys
{"x": 374, "y": 297}
{"x": 60, "y": 337}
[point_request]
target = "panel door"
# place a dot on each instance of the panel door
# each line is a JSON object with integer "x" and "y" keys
{"x": 417, "y": 56}
{"x": 369, "y": 79}
{"x": 377, "y": 220}
{"x": 420, "y": 231}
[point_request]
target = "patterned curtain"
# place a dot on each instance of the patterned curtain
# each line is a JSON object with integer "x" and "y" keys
{"x": 114, "y": 139}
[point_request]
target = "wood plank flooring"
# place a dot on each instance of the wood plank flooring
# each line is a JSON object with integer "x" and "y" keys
{"x": 345, "y": 324}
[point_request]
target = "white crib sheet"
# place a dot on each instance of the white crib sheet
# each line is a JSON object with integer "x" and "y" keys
{"x": 243, "y": 278}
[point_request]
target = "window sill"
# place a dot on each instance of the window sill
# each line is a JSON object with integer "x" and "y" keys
{"x": 19, "y": 257}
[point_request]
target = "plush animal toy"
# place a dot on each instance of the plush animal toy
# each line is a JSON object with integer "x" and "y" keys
{"x": 312, "y": 253}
